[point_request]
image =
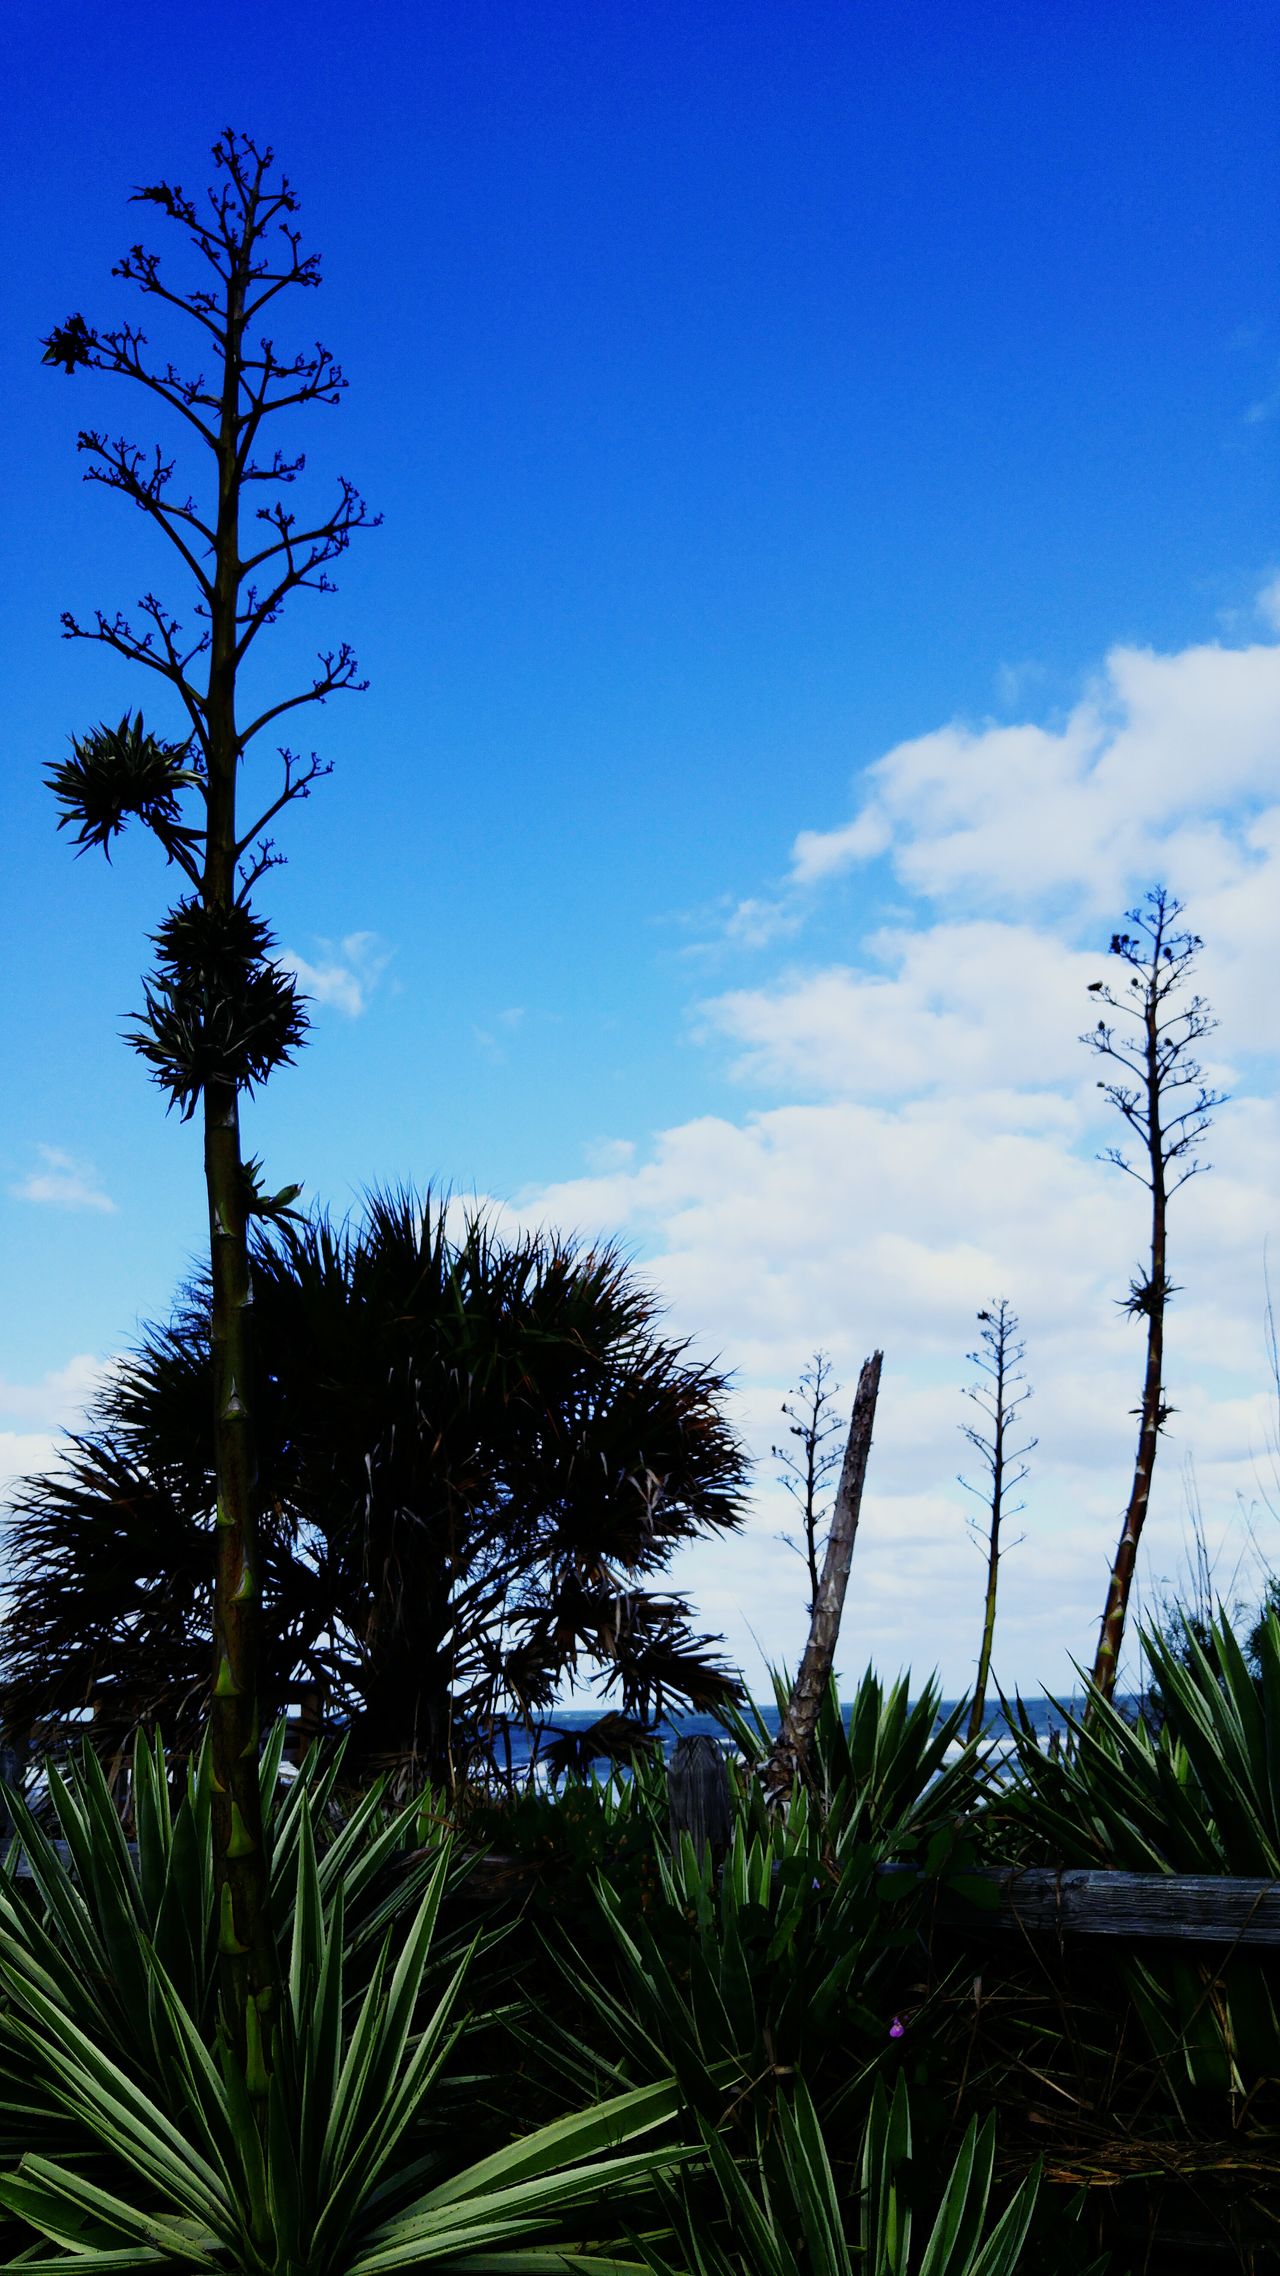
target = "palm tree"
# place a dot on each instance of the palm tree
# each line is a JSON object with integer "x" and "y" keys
{"x": 478, "y": 1455}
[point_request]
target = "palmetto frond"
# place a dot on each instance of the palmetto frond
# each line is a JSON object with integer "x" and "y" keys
{"x": 477, "y": 1455}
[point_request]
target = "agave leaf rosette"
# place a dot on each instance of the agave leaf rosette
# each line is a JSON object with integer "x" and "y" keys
{"x": 100, "y": 1922}
{"x": 347, "y": 2175}
{"x": 1200, "y": 1795}
{"x": 881, "y": 1766}
{"x": 786, "y": 2214}
{"x": 793, "y": 1954}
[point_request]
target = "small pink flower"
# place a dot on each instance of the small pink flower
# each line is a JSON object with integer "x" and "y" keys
{"x": 897, "y": 2029}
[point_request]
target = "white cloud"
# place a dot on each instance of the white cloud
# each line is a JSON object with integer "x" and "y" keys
{"x": 822, "y": 853}
{"x": 57, "y": 1398}
{"x": 919, "y": 1135}
{"x": 983, "y": 1005}
{"x": 34, "y": 1413}
{"x": 1269, "y": 603}
{"x": 848, "y": 1226}
{"x": 755, "y": 923}
{"x": 1159, "y": 752}
{"x": 25, "y": 1454}
{"x": 604, "y": 1154}
{"x": 63, "y": 1182}
{"x": 346, "y": 973}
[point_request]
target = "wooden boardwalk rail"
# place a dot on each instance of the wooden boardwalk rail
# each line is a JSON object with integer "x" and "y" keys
{"x": 1204, "y": 1908}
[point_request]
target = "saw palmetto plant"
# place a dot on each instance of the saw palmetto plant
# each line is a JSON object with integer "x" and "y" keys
{"x": 477, "y": 1454}
{"x": 798, "y": 1953}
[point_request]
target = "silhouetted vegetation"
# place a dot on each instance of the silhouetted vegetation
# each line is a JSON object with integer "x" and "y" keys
{"x": 478, "y": 1453}
{"x": 999, "y": 1395}
{"x": 815, "y": 1423}
{"x": 1162, "y": 1095}
{"x": 220, "y": 1013}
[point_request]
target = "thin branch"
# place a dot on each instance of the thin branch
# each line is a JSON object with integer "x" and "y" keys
{"x": 338, "y": 677}
{"x": 141, "y": 267}
{"x": 295, "y": 786}
{"x": 122, "y": 469}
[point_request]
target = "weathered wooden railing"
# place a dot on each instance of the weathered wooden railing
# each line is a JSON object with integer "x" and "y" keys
{"x": 1200, "y": 1908}
{"x": 1205, "y": 1908}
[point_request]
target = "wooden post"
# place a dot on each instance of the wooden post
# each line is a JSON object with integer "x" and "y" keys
{"x": 698, "y": 1795}
{"x": 789, "y": 1759}
{"x": 13, "y": 1763}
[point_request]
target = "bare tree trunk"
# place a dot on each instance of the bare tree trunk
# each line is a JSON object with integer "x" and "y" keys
{"x": 789, "y": 1759}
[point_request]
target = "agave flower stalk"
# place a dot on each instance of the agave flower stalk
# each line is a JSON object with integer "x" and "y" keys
{"x": 998, "y": 1394}
{"x": 220, "y": 1013}
{"x": 1162, "y": 1095}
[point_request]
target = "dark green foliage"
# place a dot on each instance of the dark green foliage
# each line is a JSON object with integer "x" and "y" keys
{"x": 477, "y": 1456}
{"x": 794, "y": 1957}
{"x": 884, "y": 1760}
{"x": 128, "y": 2139}
{"x": 1155, "y": 2065}
{"x": 1200, "y": 1796}
{"x": 788, "y": 2218}
{"x": 116, "y": 772}
{"x": 96, "y": 1912}
{"x": 1178, "y": 1628}
{"x": 841, "y": 2102}
{"x": 800, "y": 1956}
{"x": 219, "y": 1011}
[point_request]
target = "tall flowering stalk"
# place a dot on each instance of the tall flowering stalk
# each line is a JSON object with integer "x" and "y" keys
{"x": 220, "y": 1012}
{"x": 1162, "y": 1096}
{"x": 998, "y": 1394}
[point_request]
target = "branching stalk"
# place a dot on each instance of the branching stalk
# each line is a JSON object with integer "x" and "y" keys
{"x": 998, "y": 1395}
{"x": 220, "y": 1014}
{"x": 1162, "y": 1095}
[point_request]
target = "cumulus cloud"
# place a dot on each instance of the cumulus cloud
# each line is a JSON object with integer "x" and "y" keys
{"x": 823, "y": 853}
{"x": 57, "y": 1397}
{"x": 32, "y": 1414}
{"x": 754, "y": 923}
{"x": 981, "y": 1005}
{"x": 919, "y": 1134}
{"x": 846, "y": 1226}
{"x": 63, "y": 1181}
{"x": 345, "y": 972}
{"x": 1011, "y": 814}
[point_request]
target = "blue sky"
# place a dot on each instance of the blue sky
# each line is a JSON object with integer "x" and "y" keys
{"x": 780, "y": 417}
